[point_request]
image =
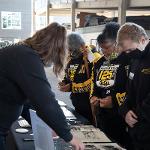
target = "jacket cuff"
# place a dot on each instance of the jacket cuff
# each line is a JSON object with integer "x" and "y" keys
{"x": 67, "y": 137}
{"x": 123, "y": 111}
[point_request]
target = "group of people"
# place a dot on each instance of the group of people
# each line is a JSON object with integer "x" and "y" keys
{"x": 109, "y": 87}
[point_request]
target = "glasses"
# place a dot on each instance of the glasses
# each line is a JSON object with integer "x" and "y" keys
{"x": 114, "y": 44}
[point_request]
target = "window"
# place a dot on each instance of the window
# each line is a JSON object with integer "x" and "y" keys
{"x": 10, "y": 20}
{"x": 40, "y": 22}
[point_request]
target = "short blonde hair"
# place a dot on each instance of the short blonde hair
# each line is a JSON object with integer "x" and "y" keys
{"x": 131, "y": 31}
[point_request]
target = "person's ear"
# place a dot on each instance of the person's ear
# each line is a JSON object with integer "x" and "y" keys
{"x": 142, "y": 40}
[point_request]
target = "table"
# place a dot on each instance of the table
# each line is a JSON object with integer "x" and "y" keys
{"x": 16, "y": 140}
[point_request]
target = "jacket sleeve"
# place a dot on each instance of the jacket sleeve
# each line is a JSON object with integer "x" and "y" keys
{"x": 144, "y": 109}
{"x": 128, "y": 104}
{"x": 97, "y": 65}
{"x": 94, "y": 90}
{"x": 114, "y": 99}
{"x": 119, "y": 91}
{"x": 29, "y": 75}
{"x": 66, "y": 78}
{"x": 124, "y": 108}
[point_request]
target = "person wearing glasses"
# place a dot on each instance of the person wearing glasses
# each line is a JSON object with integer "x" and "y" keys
{"x": 110, "y": 88}
{"x": 78, "y": 75}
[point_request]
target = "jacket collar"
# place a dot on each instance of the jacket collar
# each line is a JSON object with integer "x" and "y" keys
{"x": 146, "y": 52}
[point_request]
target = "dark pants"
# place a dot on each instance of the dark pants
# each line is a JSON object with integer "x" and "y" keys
{"x": 114, "y": 127}
{"x": 25, "y": 112}
{"x": 81, "y": 102}
{"x": 2, "y": 142}
{"x": 9, "y": 112}
{"x": 140, "y": 134}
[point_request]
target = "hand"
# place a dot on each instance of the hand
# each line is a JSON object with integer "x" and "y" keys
{"x": 77, "y": 144}
{"x": 64, "y": 87}
{"x": 61, "y": 83}
{"x": 131, "y": 118}
{"x": 54, "y": 134}
{"x": 94, "y": 100}
{"x": 106, "y": 102}
{"x": 85, "y": 51}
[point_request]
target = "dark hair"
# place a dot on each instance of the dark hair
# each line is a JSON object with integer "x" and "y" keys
{"x": 50, "y": 44}
{"x": 109, "y": 33}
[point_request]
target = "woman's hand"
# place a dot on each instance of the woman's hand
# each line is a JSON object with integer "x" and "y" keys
{"x": 64, "y": 87}
{"x": 131, "y": 118}
{"x": 94, "y": 101}
{"x": 106, "y": 102}
{"x": 85, "y": 51}
{"x": 77, "y": 144}
{"x": 61, "y": 83}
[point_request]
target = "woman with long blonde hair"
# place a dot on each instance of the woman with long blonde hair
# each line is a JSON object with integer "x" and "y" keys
{"x": 22, "y": 77}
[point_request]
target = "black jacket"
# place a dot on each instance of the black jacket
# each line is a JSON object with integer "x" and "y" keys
{"x": 22, "y": 77}
{"x": 118, "y": 90}
{"x": 76, "y": 75}
{"x": 108, "y": 119}
{"x": 138, "y": 97}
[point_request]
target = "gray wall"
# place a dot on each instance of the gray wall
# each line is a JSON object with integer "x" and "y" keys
{"x": 23, "y": 6}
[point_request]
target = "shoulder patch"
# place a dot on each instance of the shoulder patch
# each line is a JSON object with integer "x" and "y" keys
{"x": 120, "y": 98}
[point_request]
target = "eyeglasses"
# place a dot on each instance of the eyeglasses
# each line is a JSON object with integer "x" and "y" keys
{"x": 114, "y": 44}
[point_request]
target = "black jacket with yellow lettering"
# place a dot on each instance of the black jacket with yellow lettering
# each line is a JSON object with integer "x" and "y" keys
{"x": 138, "y": 97}
{"x": 76, "y": 74}
{"x": 111, "y": 79}
{"x": 124, "y": 63}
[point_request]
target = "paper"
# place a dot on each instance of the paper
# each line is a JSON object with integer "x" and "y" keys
{"x": 42, "y": 133}
{"x": 61, "y": 103}
{"x": 68, "y": 114}
{"x": 91, "y": 57}
{"x": 89, "y": 134}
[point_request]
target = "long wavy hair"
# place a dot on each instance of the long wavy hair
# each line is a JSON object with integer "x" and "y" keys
{"x": 50, "y": 44}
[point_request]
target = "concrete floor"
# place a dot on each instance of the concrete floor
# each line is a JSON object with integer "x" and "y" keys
{"x": 54, "y": 84}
